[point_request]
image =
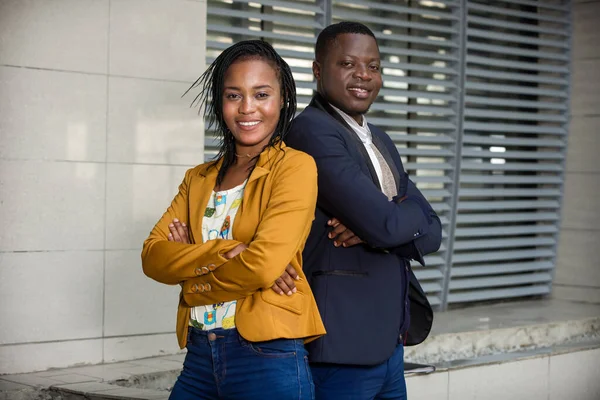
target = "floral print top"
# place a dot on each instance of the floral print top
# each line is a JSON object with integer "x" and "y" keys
{"x": 217, "y": 224}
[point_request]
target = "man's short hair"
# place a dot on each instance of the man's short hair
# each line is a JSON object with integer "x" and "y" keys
{"x": 328, "y": 35}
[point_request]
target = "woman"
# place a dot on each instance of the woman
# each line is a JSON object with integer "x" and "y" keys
{"x": 248, "y": 215}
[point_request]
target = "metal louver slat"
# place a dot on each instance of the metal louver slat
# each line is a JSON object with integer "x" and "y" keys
{"x": 517, "y": 26}
{"x": 516, "y": 103}
{"x": 498, "y": 269}
{"x": 502, "y": 243}
{"x": 353, "y": 16}
{"x": 435, "y": 68}
{"x": 505, "y": 230}
{"x": 496, "y": 127}
{"x": 500, "y": 255}
{"x": 254, "y": 34}
{"x": 288, "y": 4}
{"x": 519, "y": 14}
{"x": 558, "y": 6}
{"x": 507, "y": 205}
{"x": 490, "y": 87}
{"x": 516, "y": 115}
{"x": 480, "y": 33}
{"x": 375, "y": 5}
{"x": 515, "y": 64}
{"x": 510, "y": 179}
{"x": 503, "y": 141}
{"x": 294, "y": 21}
{"x": 501, "y": 192}
{"x": 489, "y": 294}
{"x": 507, "y": 217}
{"x": 500, "y": 281}
{"x": 522, "y": 167}
{"x": 510, "y": 50}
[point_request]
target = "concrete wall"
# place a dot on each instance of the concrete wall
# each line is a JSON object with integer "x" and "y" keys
{"x": 94, "y": 140}
{"x": 578, "y": 265}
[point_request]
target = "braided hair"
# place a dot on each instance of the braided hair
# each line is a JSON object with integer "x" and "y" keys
{"x": 211, "y": 84}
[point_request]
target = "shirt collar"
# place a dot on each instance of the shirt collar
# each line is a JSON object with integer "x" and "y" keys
{"x": 363, "y": 131}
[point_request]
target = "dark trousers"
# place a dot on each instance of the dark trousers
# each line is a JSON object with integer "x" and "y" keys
{"x": 356, "y": 382}
{"x": 220, "y": 364}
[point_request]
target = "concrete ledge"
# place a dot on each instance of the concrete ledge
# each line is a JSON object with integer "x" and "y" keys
{"x": 467, "y": 345}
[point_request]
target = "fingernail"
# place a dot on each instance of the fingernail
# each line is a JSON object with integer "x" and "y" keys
{"x": 281, "y": 293}
{"x": 330, "y": 235}
{"x": 183, "y": 224}
{"x": 175, "y": 220}
{"x": 170, "y": 235}
{"x": 344, "y": 244}
{"x": 336, "y": 244}
{"x": 289, "y": 293}
{"x": 294, "y": 290}
{"x": 171, "y": 225}
{"x": 329, "y": 222}
{"x": 297, "y": 277}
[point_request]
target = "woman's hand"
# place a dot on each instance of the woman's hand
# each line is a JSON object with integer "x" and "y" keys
{"x": 179, "y": 232}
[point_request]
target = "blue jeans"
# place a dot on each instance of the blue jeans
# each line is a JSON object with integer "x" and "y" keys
{"x": 357, "y": 382}
{"x": 220, "y": 364}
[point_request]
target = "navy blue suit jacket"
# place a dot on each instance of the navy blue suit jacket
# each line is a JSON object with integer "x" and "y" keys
{"x": 363, "y": 291}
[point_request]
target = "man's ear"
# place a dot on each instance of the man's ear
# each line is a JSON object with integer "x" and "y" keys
{"x": 316, "y": 67}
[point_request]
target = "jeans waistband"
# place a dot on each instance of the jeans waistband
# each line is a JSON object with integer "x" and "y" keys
{"x": 224, "y": 336}
{"x": 220, "y": 334}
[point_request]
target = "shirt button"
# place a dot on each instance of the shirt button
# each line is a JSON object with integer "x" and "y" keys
{"x": 207, "y": 287}
{"x": 211, "y": 267}
{"x": 198, "y": 271}
{"x": 205, "y": 270}
{"x": 212, "y": 337}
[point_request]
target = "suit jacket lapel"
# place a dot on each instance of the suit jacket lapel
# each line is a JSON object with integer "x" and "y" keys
{"x": 320, "y": 103}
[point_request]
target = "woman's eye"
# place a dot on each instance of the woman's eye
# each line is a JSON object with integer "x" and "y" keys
{"x": 231, "y": 96}
{"x": 262, "y": 95}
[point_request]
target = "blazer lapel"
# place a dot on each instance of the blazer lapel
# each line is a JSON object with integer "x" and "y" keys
{"x": 199, "y": 191}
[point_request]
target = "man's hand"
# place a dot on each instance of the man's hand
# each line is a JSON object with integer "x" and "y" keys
{"x": 285, "y": 283}
{"x": 341, "y": 235}
{"x": 179, "y": 232}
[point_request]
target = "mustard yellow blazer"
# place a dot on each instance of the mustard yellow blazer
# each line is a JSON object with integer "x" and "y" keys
{"x": 274, "y": 220}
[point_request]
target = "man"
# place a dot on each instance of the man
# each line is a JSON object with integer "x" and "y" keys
{"x": 370, "y": 221}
